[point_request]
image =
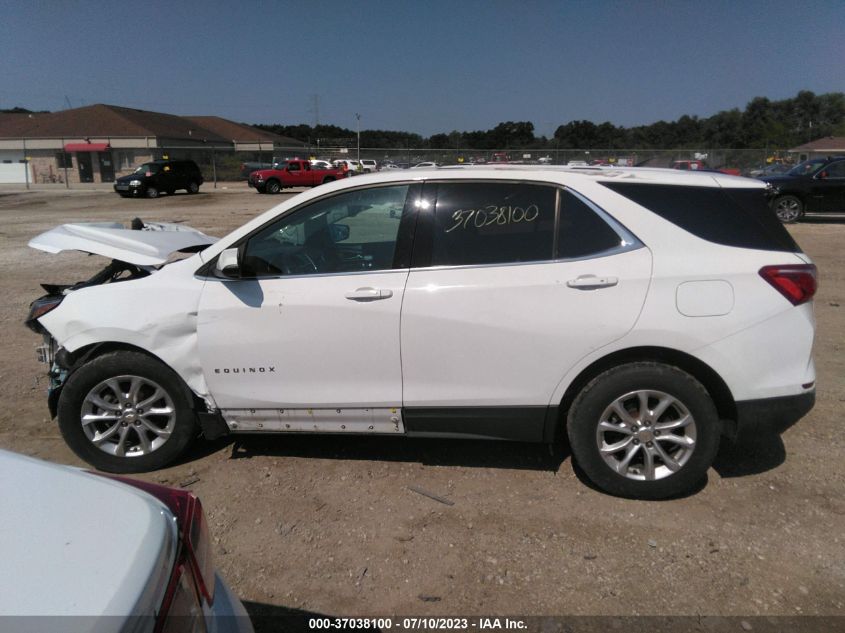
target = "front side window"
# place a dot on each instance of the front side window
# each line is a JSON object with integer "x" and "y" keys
{"x": 492, "y": 223}
{"x": 293, "y": 167}
{"x": 351, "y": 232}
{"x": 836, "y": 170}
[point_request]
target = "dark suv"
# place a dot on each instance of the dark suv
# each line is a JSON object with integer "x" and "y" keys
{"x": 160, "y": 176}
{"x": 814, "y": 186}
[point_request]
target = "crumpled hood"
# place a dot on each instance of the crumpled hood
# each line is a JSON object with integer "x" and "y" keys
{"x": 150, "y": 246}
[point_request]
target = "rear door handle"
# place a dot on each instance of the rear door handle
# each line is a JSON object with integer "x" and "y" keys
{"x": 369, "y": 294}
{"x": 590, "y": 282}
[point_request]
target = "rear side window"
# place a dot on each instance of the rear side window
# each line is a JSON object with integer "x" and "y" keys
{"x": 582, "y": 232}
{"x": 733, "y": 217}
{"x": 492, "y": 223}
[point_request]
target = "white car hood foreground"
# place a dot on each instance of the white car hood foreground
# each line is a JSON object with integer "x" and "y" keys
{"x": 150, "y": 246}
{"x": 76, "y": 544}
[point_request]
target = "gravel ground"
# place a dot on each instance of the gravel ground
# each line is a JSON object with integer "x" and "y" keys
{"x": 331, "y": 525}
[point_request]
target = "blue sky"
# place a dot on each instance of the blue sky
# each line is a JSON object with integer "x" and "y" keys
{"x": 422, "y": 66}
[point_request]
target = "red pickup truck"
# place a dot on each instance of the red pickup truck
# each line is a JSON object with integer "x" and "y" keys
{"x": 292, "y": 173}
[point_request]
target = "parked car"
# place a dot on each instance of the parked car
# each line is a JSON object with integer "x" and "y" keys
{"x": 814, "y": 186}
{"x": 157, "y": 573}
{"x": 644, "y": 313}
{"x": 773, "y": 169}
{"x": 425, "y": 165}
{"x": 292, "y": 173}
{"x": 351, "y": 166}
{"x": 248, "y": 168}
{"x": 152, "y": 179}
{"x": 700, "y": 165}
{"x": 369, "y": 165}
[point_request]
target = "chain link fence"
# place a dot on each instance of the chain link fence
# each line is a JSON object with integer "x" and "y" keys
{"x": 228, "y": 165}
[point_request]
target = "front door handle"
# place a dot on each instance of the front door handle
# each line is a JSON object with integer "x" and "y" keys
{"x": 590, "y": 282}
{"x": 369, "y": 294}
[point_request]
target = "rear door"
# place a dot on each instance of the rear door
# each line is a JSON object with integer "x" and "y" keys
{"x": 511, "y": 284}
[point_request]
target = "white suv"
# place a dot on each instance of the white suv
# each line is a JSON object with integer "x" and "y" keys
{"x": 643, "y": 312}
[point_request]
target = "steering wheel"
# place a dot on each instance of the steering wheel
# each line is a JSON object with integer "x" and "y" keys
{"x": 298, "y": 263}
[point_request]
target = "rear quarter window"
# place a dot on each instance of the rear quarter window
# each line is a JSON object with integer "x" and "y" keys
{"x": 732, "y": 217}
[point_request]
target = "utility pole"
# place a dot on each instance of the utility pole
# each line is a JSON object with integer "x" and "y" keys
{"x": 358, "y": 133}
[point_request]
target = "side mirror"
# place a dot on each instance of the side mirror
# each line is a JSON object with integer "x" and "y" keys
{"x": 227, "y": 264}
{"x": 339, "y": 232}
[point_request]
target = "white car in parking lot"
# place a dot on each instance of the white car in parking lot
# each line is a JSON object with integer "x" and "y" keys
{"x": 86, "y": 552}
{"x": 644, "y": 313}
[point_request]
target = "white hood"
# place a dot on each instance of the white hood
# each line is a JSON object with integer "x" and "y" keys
{"x": 149, "y": 246}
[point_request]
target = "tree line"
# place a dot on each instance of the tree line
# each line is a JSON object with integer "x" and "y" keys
{"x": 762, "y": 124}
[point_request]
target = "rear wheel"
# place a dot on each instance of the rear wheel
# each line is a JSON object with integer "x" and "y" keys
{"x": 126, "y": 412}
{"x": 193, "y": 186}
{"x": 644, "y": 430}
{"x": 328, "y": 179}
{"x": 789, "y": 208}
{"x": 273, "y": 186}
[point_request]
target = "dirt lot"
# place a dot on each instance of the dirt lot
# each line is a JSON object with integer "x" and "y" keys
{"x": 329, "y": 524}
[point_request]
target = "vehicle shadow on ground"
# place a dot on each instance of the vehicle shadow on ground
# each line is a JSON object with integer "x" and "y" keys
{"x": 836, "y": 218}
{"x": 431, "y": 452}
{"x": 734, "y": 458}
{"x": 750, "y": 456}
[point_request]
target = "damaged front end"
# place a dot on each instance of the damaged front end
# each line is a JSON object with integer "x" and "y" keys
{"x": 58, "y": 360}
{"x": 136, "y": 251}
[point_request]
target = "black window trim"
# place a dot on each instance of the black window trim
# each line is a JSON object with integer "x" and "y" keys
{"x": 404, "y": 237}
{"x": 422, "y": 249}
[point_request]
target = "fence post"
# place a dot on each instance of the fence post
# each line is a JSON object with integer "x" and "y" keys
{"x": 64, "y": 162}
{"x": 25, "y": 165}
{"x": 214, "y": 166}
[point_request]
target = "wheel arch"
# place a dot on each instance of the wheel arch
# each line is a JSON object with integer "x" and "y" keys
{"x": 701, "y": 371}
{"x": 71, "y": 361}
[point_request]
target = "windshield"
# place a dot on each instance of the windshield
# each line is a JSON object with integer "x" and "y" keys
{"x": 147, "y": 167}
{"x": 808, "y": 167}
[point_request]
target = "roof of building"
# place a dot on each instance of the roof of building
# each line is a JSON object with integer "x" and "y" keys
{"x": 825, "y": 144}
{"x": 240, "y": 132}
{"x": 14, "y": 124}
{"x": 102, "y": 120}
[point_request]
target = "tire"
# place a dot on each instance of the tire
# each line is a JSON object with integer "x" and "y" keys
{"x": 151, "y": 192}
{"x": 273, "y": 187}
{"x": 193, "y": 187}
{"x": 328, "y": 179}
{"x": 788, "y": 208}
{"x": 89, "y": 391}
{"x": 593, "y": 423}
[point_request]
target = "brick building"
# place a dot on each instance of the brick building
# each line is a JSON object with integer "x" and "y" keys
{"x": 100, "y": 142}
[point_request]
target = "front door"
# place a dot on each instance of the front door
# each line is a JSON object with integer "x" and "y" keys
{"x": 308, "y": 337}
{"x": 829, "y": 188}
{"x": 86, "y": 172}
{"x": 106, "y": 167}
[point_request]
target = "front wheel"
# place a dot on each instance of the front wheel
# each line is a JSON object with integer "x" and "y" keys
{"x": 788, "y": 208}
{"x": 126, "y": 412}
{"x": 644, "y": 430}
{"x": 273, "y": 187}
{"x": 152, "y": 192}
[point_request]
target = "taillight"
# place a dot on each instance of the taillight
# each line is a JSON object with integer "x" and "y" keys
{"x": 193, "y": 531}
{"x": 796, "y": 282}
{"x": 181, "y": 611}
